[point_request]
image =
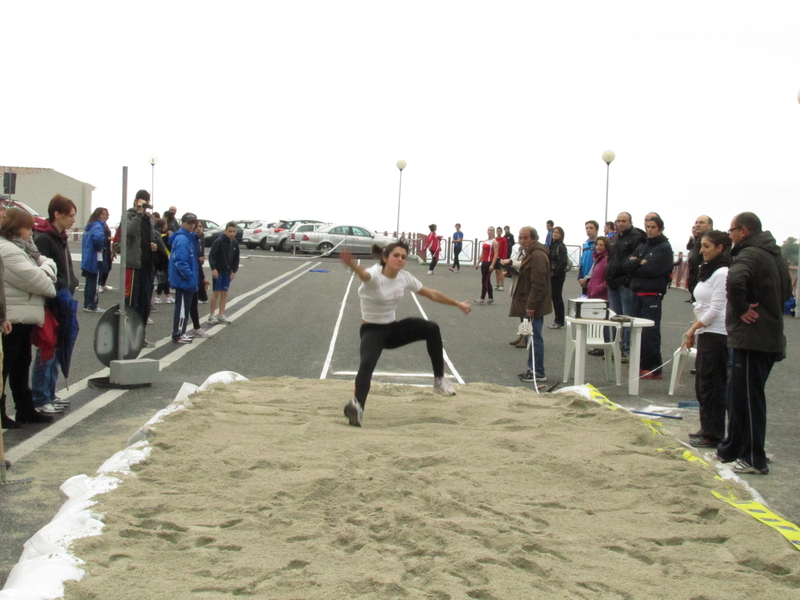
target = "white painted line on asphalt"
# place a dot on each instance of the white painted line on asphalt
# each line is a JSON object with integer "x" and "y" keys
{"x": 444, "y": 352}
{"x": 73, "y": 418}
{"x": 335, "y": 335}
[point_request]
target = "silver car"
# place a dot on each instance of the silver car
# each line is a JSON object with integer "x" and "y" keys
{"x": 296, "y": 233}
{"x": 335, "y": 238}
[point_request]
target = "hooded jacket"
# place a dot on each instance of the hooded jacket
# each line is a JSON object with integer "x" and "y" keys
{"x": 27, "y": 284}
{"x": 620, "y": 247}
{"x": 94, "y": 240}
{"x": 224, "y": 255}
{"x": 759, "y": 274}
{"x": 532, "y": 289}
{"x": 183, "y": 263}
{"x": 54, "y": 245}
{"x": 650, "y": 265}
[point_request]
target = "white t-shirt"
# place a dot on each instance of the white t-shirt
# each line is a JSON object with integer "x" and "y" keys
{"x": 379, "y": 295}
{"x": 711, "y": 299}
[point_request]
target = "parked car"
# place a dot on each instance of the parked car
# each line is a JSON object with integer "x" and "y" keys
{"x": 277, "y": 236}
{"x": 333, "y": 238}
{"x": 296, "y": 232}
{"x": 37, "y": 218}
{"x": 210, "y": 235}
{"x": 254, "y": 234}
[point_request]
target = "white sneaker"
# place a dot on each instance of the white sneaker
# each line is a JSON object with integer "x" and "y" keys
{"x": 354, "y": 412}
{"x": 149, "y": 321}
{"x": 156, "y": 300}
{"x": 222, "y": 320}
{"x": 50, "y": 409}
{"x": 430, "y": 272}
{"x": 170, "y": 300}
{"x": 107, "y": 288}
{"x": 212, "y": 320}
{"x": 199, "y": 333}
{"x": 442, "y": 386}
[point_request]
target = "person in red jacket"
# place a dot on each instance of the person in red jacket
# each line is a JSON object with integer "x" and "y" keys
{"x": 432, "y": 244}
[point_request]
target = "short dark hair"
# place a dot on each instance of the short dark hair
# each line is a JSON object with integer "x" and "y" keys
{"x": 550, "y": 222}
{"x": 159, "y": 224}
{"x": 142, "y": 195}
{"x": 595, "y": 223}
{"x": 385, "y": 252}
{"x": 16, "y": 219}
{"x": 658, "y": 221}
{"x": 59, "y": 204}
{"x": 432, "y": 226}
{"x": 719, "y": 238}
{"x": 749, "y": 220}
{"x": 231, "y": 224}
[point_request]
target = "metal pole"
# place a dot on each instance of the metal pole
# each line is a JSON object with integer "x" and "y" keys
{"x": 152, "y": 185}
{"x": 123, "y": 252}
{"x": 399, "y": 191}
{"x": 608, "y": 172}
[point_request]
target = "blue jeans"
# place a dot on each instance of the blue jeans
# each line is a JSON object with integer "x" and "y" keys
{"x": 623, "y": 301}
{"x": 536, "y": 350}
{"x": 43, "y": 382}
{"x": 90, "y": 291}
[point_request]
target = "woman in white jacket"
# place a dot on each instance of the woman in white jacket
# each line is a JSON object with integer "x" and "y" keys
{"x": 29, "y": 278}
{"x": 709, "y": 335}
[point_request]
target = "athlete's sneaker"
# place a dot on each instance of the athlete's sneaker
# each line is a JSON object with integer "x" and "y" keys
{"x": 489, "y": 301}
{"x": 354, "y": 413}
{"x": 442, "y": 387}
{"x": 60, "y": 402}
{"x": 50, "y": 409}
{"x": 479, "y": 301}
{"x": 199, "y": 333}
{"x": 222, "y": 320}
{"x": 745, "y": 468}
{"x": 529, "y": 377}
{"x": 184, "y": 339}
{"x": 212, "y": 320}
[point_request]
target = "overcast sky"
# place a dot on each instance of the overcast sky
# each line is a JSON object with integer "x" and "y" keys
{"x": 501, "y": 110}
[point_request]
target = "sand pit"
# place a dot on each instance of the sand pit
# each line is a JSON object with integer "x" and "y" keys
{"x": 261, "y": 489}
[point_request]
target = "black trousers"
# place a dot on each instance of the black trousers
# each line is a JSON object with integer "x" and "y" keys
{"x": 486, "y": 280}
{"x": 17, "y": 367}
{"x": 374, "y": 338}
{"x": 456, "y": 252}
{"x": 649, "y": 307}
{"x": 434, "y": 260}
{"x": 747, "y": 407}
{"x": 710, "y": 383}
{"x": 557, "y": 287}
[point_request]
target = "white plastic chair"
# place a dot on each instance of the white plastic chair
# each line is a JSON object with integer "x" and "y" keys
{"x": 595, "y": 339}
{"x": 678, "y": 362}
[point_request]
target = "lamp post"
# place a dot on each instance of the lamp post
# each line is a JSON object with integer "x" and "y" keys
{"x": 153, "y": 161}
{"x": 608, "y": 157}
{"x": 401, "y": 164}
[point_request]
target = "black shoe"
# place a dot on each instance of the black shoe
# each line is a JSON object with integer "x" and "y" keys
{"x": 9, "y": 423}
{"x": 597, "y": 352}
{"x": 34, "y": 417}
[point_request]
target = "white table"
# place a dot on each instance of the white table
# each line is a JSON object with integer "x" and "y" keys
{"x": 635, "y": 326}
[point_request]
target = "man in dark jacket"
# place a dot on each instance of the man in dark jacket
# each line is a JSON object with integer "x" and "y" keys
{"x": 139, "y": 248}
{"x": 758, "y": 285}
{"x": 51, "y": 240}
{"x": 531, "y": 298}
{"x": 649, "y": 268}
{"x": 224, "y": 261}
{"x": 620, "y": 297}
{"x": 694, "y": 259}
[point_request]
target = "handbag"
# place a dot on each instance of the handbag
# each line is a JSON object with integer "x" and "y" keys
{"x": 46, "y": 336}
{"x": 525, "y": 327}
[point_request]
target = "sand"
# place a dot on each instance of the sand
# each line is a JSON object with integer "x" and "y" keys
{"x": 261, "y": 489}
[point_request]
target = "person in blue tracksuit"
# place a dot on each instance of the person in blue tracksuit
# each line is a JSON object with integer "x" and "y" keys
{"x": 183, "y": 276}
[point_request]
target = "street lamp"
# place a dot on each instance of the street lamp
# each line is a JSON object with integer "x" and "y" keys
{"x": 401, "y": 164}
{"x": 153, "y": 161}
{"x": 608, "y": 157}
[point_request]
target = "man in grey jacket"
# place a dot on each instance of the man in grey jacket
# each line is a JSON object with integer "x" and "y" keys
{"x": 758, "y": 285}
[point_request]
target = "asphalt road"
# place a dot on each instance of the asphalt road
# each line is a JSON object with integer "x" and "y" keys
{"x": 286, "y": 322}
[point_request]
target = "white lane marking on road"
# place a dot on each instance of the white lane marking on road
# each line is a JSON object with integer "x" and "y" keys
{"x": 444, "y": 352}
{"x": 388, "y": 374}
{"x": 335, "y": 335}
{"x": 73, "y": 418}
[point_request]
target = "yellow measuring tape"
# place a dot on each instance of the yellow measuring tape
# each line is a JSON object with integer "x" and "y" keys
{"x": 755, "y": 509}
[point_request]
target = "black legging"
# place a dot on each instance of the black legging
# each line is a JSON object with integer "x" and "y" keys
{"x": 434, "y": 260}
{"x": 486, "y": 280}
{"x": 17, "y": 368}
{"x": 374, "y": 338}
{"x": 557, "y": 286}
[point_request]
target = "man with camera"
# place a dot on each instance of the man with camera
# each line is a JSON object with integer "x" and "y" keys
{"x": 140, "y": 246}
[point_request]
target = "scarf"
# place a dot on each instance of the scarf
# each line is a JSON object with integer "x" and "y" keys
{"x": 707, "y": 268}
{"x": 28, "y": 247}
